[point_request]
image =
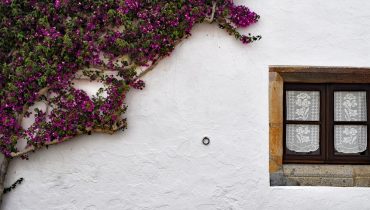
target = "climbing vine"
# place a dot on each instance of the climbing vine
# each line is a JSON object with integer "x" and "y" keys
{"x": 45, "y": 46}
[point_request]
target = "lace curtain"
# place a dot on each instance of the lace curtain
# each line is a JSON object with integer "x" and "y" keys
{"x": 350, "y": 138}
{"x": 303, "y": 105}
{"x": 302, "y": 138}
{"x": 350, "y": 106}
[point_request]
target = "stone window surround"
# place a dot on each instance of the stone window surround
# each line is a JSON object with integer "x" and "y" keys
{"x": 309, "y": 174}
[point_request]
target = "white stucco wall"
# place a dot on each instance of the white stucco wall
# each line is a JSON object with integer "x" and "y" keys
{"x": 211, "y": 86}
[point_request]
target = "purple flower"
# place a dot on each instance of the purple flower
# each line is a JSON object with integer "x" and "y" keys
{"x": 57, "y": 4}
{"x": 241, "y": 16}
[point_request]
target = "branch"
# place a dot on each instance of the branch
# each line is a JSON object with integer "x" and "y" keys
{"x": 103, "y": 68}
{"x": 33, "y": 148}
{"x": 210, "y": 20}
{"x": 12, "y": 52}
{"x": 155, "y": 63}
{"x": 41, "y": 92}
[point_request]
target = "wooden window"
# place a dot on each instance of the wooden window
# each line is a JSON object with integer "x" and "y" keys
{"x": 326, "y": 123}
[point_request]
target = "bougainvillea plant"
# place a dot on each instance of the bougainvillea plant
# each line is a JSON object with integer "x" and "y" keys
{"x": 47, "y": 45}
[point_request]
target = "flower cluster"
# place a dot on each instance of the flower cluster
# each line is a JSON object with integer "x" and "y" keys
{"x": 45, "y": 44}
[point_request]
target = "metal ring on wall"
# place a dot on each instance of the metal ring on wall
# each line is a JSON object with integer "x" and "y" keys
{"x": 206, "y": 141}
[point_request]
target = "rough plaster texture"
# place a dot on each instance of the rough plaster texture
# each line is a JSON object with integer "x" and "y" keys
{"x": 211, "y": 86}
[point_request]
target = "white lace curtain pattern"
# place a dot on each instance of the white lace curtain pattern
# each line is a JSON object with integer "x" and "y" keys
{"x": 350, "y": 106}
{"x": 302, "y": 138}
{"x": 350, "y": 138}
{"x": 303, "y": 106}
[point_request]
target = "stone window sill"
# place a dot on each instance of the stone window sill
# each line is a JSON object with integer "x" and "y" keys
{"x": 321, "y": 175}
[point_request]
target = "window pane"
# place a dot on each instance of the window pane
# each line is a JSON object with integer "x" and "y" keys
{"x": 350, "y": 138}
{"x": 303, "y": 105}
{"x": 350, "y": 106}
{"x": 302, "y": 138}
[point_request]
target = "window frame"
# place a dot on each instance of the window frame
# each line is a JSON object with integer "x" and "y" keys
{"x": 326, "y": 122}
{"x": 298, "y": 157}
{"x": 349, "y": 158}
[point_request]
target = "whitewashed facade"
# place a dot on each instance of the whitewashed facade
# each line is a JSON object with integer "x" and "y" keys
{"x": 211, "y": 86}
